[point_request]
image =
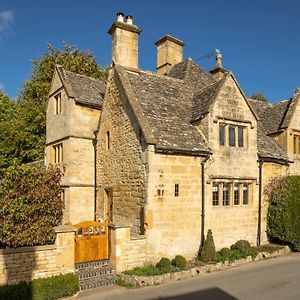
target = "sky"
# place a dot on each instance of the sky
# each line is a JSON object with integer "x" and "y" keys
{"x": 259, "y": 39}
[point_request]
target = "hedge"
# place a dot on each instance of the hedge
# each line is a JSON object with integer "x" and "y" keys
{"x": 30, "y": 206}
{"x": 283, "y": 218}
{"x": 41, "y": 289}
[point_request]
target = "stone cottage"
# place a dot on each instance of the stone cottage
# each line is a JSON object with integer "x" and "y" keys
{"x": 167, "y": 155}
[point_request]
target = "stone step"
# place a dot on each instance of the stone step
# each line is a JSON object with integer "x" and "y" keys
{"x": 92, "y": 264}
{"x": 96, "y": 282}
{"x": 85, "y": 274}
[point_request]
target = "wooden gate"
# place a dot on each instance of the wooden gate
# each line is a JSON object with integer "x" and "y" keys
{"x": 91, "y": 241}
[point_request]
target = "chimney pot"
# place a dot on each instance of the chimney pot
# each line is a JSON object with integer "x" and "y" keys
{"x": 129, "y": 20}
{"x": 120, "y": 17}
{"x": 219, "y": 60}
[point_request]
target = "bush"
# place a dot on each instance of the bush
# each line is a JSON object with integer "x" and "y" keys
{"x": 223, "y": 254}
{"x": 283, "y": 218}
{"x": 30, "y": 206}
{"x": 164, "y": 264}
{"x": 242, "y": 246}
{"x": 179, "y": 261}
{"x": 149, "y": 270}
{"x": 46, "y": 288}
{"x": 208, "y": 251}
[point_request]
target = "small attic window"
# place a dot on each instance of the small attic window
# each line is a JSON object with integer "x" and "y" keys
{"x": 107, "y": 141}
{"x": 57, "y": 103}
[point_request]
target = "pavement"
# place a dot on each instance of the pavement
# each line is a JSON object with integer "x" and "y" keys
{"x": 271, "y": 279}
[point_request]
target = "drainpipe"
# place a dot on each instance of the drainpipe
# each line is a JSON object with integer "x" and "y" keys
{"x": 203, "y": 199}
{"x": 95, "y": 141}
{"x": 260, "y": 164}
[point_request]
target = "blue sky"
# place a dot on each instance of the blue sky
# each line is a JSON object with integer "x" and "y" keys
{"x": 259, "y": 40}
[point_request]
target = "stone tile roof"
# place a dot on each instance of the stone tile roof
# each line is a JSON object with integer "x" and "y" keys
{"x": 203, "y": 99}
{"x": 85, "y": 90}
{"x": 271, "y": 115}
{"x": 167, "y": 104}
{"x": 192, "y": 74}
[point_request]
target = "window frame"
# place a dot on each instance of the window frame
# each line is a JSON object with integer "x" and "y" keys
{"x": 57, "y": 99}
{"x": 233, "y": 135}
{"x": 57, "y": 153}
{"x": 296, "y": 143}
{"x": 176, "y": 190}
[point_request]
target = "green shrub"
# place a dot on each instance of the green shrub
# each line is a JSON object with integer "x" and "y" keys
{"x": 30, "y": 206}
{"x": 283, "y": 218}
{"x": 149, "y": 270}
{"x": 40, "y": 289}
{"x": 179, "y": 262}
{"x": 208, "y": 251}
{"x": 223, "y": 254}
{"x": 241, "y": 245}
{"x": 164, "y": 264}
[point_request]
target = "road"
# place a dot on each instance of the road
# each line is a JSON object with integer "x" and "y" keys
{"x": 271, "y": 279}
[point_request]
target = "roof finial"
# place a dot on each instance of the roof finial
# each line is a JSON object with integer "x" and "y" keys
{"x": 218, "y": 59}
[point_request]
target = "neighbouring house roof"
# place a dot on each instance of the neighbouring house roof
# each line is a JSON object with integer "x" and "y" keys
{"x": 272, "y": 115}
{"x": 85, "y": 90}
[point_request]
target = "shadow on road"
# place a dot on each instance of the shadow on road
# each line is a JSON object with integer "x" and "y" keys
{"x": 209, "y": 294}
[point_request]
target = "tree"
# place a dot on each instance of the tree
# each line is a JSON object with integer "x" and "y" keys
{"x": 7, "y": 125}
{"x": 28, "y": 122}
{"x": 259, "y": 96}
{"x": 30, "y": 205}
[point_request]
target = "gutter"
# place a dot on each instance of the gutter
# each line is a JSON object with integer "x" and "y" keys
{"x": 95, "y": 141}
{"x": 260, "y": 164}
{"x": 203, "y": 200}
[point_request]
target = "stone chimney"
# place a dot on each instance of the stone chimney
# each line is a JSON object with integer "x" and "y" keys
{"x": 169, "y": 52}
{"x": 218, "y": 71}
{"x": 125, "y": 41}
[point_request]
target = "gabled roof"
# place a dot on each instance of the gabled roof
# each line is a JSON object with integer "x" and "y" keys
{"x": 166, "y": 103}
{"x": 85, "y": 90}
{"x": 192, "y": 74}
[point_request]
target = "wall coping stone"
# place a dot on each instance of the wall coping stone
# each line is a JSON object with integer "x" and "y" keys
{"x": 116, "y": 226}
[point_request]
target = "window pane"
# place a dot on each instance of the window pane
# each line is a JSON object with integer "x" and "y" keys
{"x": 245, "y": 193}
{"x": 176, "y": 189}
{"x": 222, "y": 134}
{"x": 226, "y": 193}
{"x": 295, "y": 144}
{"x": 232, "y": 136}
{"x": 215, "y": 194}
{"x": 236, "y": 194}
{"x": 241, "y": 136}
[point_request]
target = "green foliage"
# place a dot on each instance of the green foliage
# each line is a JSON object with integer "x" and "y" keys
{"x": 164, "y": 264}
{"x": 40, "y": 289}
{"x": 30, "y": 205}
{"x": 208, "y": 251}
{"x": 241, "y": 249}
{"x": 23, "y": 127}
{"x": 149, "y": 270}
{"x": 179, "y": 262}
{"x": 283, "y": 218}
{"x": 259, "y": 96}
{"x": 7, "y": 117}
{"x": 242, "y": 246}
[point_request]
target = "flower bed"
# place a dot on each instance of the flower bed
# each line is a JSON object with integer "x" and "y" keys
{"x": 136, "y": 280}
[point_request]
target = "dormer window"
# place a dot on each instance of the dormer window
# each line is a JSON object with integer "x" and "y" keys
{"x": 232, "y": 135}
{"x": 57, "y": 103}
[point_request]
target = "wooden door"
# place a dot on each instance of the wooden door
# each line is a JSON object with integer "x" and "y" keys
{"x": 91, "y": 241}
